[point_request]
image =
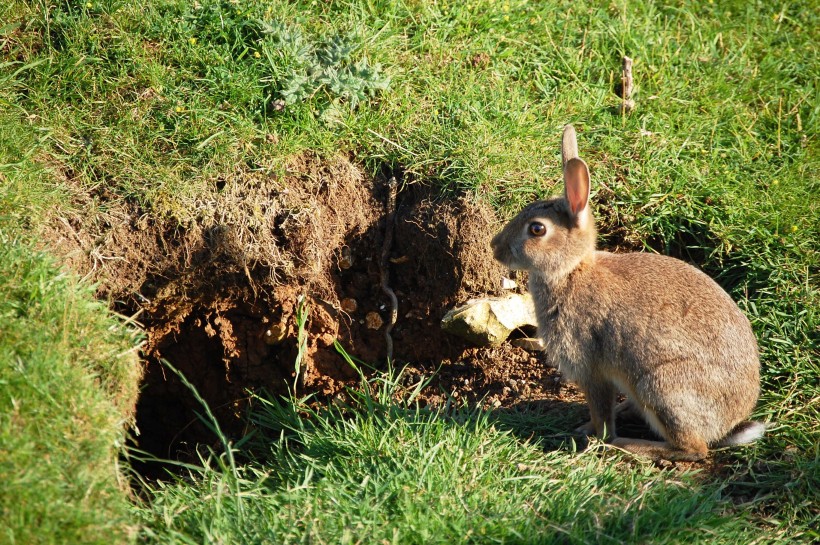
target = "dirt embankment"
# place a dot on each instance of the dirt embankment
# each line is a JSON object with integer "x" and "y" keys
{"x": 219, "y": 298}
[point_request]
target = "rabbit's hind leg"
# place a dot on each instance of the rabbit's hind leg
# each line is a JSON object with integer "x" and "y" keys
{"x": 693, "y": 450}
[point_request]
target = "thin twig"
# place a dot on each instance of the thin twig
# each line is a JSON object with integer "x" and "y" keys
{"x": 626, "y": 86}
{"x": 385, "y": 266}
{"x": 302, "y": 316}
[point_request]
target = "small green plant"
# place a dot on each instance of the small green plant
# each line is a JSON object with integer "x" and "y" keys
{"x": 328, "y": 67}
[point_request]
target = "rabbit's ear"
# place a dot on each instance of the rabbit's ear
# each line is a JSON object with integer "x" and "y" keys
{"x": 576, "y": 185}
{"x": 569, "y": 145}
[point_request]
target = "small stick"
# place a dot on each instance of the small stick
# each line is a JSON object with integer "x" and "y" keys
{"x": 385, "y": 266}
{"x": 626, "y": 86}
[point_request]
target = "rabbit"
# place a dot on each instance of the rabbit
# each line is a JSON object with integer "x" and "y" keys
{"x": 648, "y": 326}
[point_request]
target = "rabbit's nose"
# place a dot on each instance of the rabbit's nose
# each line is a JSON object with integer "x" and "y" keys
{"x": 499, "y": 251}
{"x": 494, "y": 242}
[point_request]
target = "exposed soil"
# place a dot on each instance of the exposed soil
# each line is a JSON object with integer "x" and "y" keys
{"x": 219, "y": 298}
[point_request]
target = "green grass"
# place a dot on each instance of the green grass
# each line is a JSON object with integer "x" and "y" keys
{"x": 155, "y": 101}
{"x": 381, "y": 470}
{"x": 67, "y": 385}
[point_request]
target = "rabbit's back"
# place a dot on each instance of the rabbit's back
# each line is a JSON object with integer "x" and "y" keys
{"x": 664, "y": 331}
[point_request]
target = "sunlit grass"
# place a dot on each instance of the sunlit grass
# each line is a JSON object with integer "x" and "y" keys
{"x": 68, "y": 379}
{"x": 381, "y": 469}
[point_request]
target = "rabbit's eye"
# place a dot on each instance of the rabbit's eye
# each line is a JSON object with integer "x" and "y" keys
{"x": 538, "y": 229}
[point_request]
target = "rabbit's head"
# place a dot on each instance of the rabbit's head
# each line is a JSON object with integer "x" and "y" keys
{"x": 551, "y": 238}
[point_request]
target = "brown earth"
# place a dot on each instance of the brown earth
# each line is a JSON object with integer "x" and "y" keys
{"x": 218, "y": 297}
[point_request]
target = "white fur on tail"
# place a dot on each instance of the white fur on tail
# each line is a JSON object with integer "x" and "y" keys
{"x": 746, "y": 432}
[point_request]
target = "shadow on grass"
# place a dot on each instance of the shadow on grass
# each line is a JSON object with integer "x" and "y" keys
{"x": 765, "y": 479}
{"x": 547, "y": 423}
{"x": 551, "y": 424}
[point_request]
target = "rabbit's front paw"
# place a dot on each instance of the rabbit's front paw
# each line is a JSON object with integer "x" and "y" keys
{"x": 586, "y": 430}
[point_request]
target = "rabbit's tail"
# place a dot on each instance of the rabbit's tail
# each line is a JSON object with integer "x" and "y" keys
{"x": 743, "y": 433}
{"x": 569, "y": 145}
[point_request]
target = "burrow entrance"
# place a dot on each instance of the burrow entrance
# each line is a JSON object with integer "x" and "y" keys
{"x": 219, "y": 298}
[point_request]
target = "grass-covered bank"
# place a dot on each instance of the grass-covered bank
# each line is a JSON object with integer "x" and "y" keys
{"x": 155, "y": 102}
{"x": 68, "y": 383}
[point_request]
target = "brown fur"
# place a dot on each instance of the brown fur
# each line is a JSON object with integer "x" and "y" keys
{"x": 651, "y": 327}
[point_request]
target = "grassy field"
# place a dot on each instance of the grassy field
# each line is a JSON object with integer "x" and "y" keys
{"x": 151, "y": 102}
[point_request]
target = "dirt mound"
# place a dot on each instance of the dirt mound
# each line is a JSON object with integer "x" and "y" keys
{"x": 219, "y": 297}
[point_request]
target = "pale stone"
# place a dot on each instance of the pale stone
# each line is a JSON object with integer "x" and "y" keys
{"x": 275, "y": 334}
{"x": 489, "y": 321}
{"x": 508, "y": 283}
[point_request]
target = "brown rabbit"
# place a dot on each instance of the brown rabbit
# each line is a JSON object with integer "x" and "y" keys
{"x": 651, "y": 327}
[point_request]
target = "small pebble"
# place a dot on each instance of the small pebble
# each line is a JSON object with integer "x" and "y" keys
{"x": 373, "y": 320}
{"x": 275, "y": 334}
{"x": 508, "y": 284}
{"x": 346, "y": 259}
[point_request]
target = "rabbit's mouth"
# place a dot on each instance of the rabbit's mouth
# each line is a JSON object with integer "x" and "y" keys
{"x": 500, "y": 251}
{"x": 505, "y": 255}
